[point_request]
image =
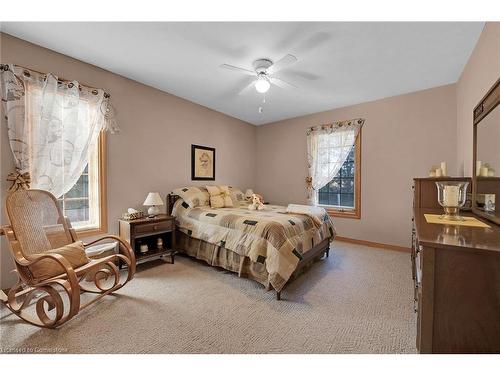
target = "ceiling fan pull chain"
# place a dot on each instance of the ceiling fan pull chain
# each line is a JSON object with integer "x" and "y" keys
{"x": 261, "y": 108}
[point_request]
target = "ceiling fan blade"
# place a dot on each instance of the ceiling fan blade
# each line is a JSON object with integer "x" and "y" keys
{"x": 283, "y": 84}
{"x": 301, "y": 74}
{"x": 247, "y": 88}
{"x": 281, "y": 63}
{"x": 237, "y": 69}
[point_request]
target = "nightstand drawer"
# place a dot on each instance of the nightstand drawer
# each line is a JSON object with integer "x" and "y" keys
{"x": 155, "y": 227}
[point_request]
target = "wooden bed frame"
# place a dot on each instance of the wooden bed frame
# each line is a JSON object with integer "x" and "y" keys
{"x": 317, "y": 252}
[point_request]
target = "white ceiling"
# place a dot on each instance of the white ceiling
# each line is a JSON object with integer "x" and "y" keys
{"x": 346, "y": 63}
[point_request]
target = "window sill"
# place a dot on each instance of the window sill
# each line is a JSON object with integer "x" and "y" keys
{"x": 354, "y": 214}
{"x": 89, "y": 232}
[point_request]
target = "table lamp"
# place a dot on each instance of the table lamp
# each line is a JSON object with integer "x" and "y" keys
{"x": 153, "y": 200}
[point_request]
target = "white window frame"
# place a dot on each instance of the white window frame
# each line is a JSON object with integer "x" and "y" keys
{"x": 344, "y": 211}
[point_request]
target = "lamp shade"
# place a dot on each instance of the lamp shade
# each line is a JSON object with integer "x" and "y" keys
{"x": 249, "y": 193}
{"x": 153, "y": 199}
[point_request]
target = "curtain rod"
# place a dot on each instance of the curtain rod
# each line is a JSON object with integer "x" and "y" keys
{"x": 59, "y": 79}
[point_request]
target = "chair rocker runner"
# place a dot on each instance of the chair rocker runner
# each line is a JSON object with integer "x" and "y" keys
{"x": 53, "y": 270}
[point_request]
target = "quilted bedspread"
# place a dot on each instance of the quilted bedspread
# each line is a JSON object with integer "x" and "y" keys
{"x": 272, "y": 237}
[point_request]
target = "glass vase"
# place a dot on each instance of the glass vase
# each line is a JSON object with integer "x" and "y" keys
{"x": 452, "y": 196}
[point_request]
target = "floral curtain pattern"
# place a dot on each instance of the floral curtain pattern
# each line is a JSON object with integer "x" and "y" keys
{"x": 327, "y": 149}
{"x": 52, "y": 126}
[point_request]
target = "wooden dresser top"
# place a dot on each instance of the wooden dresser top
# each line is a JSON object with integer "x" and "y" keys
{"x": 456, "y": 237}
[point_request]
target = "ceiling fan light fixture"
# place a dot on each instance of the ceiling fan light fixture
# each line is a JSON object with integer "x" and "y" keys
{"x": 262, "y": 85}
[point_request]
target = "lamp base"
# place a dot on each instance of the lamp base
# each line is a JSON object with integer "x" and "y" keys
{"x": 153, "y": 211}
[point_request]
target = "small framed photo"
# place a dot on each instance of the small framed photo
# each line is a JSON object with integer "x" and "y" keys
{"x": 202, "y": 163}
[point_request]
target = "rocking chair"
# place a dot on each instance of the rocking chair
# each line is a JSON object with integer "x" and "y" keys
{"x": 51, "y": 264}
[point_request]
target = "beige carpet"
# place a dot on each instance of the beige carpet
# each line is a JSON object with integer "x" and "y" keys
{"x": 357, "y": 301}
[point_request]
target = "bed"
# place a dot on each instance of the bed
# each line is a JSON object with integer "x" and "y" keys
{"x": 270, "y": 246}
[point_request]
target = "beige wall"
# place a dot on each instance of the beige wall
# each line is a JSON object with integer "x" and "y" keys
{"x": 153, "y": 150}
{"x": 401, "y": 138}
{"x": 480, "y": 73}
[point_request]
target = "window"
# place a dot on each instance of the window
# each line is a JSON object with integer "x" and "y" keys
{"x": 342, "y": 195}
{"x": 85, "y": 203}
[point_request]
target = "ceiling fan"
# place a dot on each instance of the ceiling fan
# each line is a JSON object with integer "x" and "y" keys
{"x": 264, "y": 70}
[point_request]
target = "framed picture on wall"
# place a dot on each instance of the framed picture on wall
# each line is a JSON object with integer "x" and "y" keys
{"x": 202, "y": 163}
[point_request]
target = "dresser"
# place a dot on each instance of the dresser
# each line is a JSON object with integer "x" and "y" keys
{"x": 456, "y": 273}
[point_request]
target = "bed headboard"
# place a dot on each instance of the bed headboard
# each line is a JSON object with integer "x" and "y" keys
{"x": 171, "y": 199}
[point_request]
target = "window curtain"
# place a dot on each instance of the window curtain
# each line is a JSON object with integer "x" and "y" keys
{"x": 52, "y": 126}
{"x": 327, "y": 149}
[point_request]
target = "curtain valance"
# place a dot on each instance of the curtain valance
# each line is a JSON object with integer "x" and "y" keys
{"x": 52, "y": 126}
{"x": 330, "y": 128}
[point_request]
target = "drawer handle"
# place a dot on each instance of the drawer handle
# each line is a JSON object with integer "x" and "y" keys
{"x": 155, "y": 227}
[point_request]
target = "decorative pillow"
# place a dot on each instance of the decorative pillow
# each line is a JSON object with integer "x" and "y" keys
{"x": 46, "y": 268}
{"x": 219, "y": 196}
{"x": 194, "y": 196}
{"x": 236, "y": 194}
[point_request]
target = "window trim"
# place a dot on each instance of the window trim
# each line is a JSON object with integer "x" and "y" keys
{"x": 356, "y": 212}
{"x": 103, "y": 198}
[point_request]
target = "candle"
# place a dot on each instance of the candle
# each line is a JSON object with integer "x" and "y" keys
{"x": 478, "y": 168}
{"x": 439, "y": 172}
{"x": 444, "y": 171}
{"x": 484, "y": 172}
{"x": 450, "y": 196}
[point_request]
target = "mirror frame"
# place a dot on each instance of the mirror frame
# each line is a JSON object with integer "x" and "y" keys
{"x": 487, "y": 104}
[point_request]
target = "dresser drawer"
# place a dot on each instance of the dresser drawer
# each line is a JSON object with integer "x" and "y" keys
{"x": 154, "y": 227}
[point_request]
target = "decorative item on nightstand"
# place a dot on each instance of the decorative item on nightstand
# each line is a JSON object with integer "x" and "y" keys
{"x": 452, "y": 196}
{"x": 132, "y": 214}
{"x": 153, "y": 200}
{"x": 248, "y": 194}
{"x": 159, "y": 243}
{"x": 143, "y": 248}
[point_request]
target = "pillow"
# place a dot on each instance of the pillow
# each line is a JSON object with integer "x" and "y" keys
{"x": 193, "y": 196}
{"x": 237, "y": 195}
{"x": 219, "y": 196}
{"x": 46, "y": 268}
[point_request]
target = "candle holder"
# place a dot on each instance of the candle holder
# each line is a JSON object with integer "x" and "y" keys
{"x": 452, "y": 196}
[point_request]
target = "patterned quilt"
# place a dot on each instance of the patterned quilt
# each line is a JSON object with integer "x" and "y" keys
{"x": 272, "y": 236}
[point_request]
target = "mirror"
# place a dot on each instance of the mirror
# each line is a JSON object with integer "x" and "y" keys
{"x": 486, "y": 175}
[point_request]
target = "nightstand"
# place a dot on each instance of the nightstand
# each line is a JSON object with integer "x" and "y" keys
{"x": 147, "y": 231}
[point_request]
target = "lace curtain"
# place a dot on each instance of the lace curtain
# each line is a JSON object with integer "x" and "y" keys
{"x": 52, "y": 126}
{"x": 327, "y": 149}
